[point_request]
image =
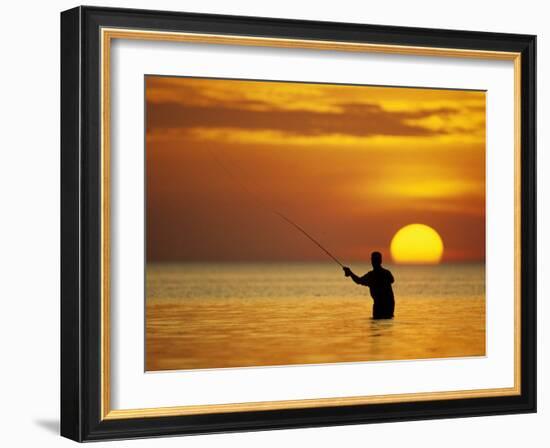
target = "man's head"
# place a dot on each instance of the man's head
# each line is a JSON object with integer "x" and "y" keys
{"x": 376, "y": 259}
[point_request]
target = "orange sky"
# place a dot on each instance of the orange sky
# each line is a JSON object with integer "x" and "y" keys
{"x": 351, "y": 164}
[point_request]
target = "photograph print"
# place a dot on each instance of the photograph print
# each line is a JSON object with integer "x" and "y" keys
{"x": 295, "y": 223}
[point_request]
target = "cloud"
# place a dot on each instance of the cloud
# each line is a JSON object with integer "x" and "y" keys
{"x": 258, "y": 112}
{"x": 438, "y": 142}
{"x": 354, "y": 120}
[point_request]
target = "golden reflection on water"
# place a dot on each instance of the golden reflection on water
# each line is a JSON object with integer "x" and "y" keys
{"x": 210, "y": 317}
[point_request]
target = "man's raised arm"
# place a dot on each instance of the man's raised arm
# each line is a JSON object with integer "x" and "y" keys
{"x": 359, "y": 280}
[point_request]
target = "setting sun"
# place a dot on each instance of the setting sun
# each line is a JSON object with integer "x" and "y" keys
{"x": 416, "y": 243}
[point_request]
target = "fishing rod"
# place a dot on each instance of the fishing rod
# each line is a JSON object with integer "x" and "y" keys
{"x": 259, "y": 201}
{"x": 309, "y": 236}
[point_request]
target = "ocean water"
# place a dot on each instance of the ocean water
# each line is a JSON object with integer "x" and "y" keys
{"x": 213, "y": 315}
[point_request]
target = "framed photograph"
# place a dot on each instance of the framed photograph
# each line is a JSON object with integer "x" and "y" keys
{"x": 276, "y": 224}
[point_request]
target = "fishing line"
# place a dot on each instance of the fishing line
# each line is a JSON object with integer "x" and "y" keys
{"x": 261, "y": 203}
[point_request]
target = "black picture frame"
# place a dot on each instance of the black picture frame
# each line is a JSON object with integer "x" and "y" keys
{"x": 81, "y": 226}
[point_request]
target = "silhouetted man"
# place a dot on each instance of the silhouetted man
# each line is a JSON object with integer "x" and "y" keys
{"x": 379, "y": 281}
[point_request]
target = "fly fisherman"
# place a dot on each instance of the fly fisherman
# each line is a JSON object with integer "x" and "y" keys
{"x": 379, "y": 281}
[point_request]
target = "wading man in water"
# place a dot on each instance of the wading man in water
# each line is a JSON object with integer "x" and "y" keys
{"x": 379, "y": 281}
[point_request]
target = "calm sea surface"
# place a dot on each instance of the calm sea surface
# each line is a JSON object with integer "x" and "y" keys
{"x": 209, "y": 315}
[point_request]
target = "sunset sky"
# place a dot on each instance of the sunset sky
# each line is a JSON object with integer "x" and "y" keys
{"x": 350, "y": 164}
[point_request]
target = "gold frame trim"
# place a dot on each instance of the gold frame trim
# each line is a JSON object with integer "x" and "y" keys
{"x": 107, "y": 35}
